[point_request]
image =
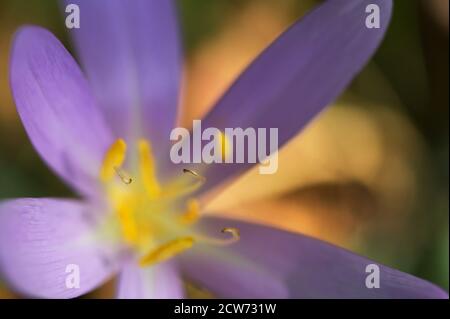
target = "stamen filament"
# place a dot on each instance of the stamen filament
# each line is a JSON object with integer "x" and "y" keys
{"x": 191, "y": 215}
{"x": 180, "y": 189}
{"x": 147, "y": 169}
{"x": 167, "y": 251}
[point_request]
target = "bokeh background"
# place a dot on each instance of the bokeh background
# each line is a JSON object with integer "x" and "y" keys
{"x": 369, "y": 174}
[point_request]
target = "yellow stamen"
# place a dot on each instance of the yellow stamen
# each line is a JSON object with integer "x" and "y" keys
{"x": 113, "y": 159}
{"x": 139, "y": 206}
{"x": 167, "y": 251}
{"x": 191, "y": 215}
{"x": 147, "y": 169}
{"x": 128, "y": 224}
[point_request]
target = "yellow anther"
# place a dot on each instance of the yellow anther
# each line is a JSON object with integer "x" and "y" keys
{"x": 224, "y": 145}
{"x": 147, "y": 169}
{"x": 167, "y": 251}
{"x": 113, "y": 159}
{"x": 191, "y": 215}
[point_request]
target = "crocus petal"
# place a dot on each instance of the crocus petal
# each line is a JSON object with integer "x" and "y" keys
{"x": 57, "y": 109}
{"x": 45, "y": 243}
{"x": 270, "y": 263}
{"x": 131, "y": 53}
{"x": 304, "y": 70}
{"x": 161, "y": 281}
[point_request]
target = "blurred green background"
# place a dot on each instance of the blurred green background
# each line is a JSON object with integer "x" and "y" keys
{"x": 374, "y": 168}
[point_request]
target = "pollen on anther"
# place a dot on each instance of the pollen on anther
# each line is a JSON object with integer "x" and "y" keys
{"x": 124, "y": 177}
{"x": 193, "y": 173}
{"x": 234, "y": 233}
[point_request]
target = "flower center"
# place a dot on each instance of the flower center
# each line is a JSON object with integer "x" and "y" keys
{"x": 154, "y": 220}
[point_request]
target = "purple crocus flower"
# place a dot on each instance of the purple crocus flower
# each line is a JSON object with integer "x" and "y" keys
{"x": 108, "y": 138}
